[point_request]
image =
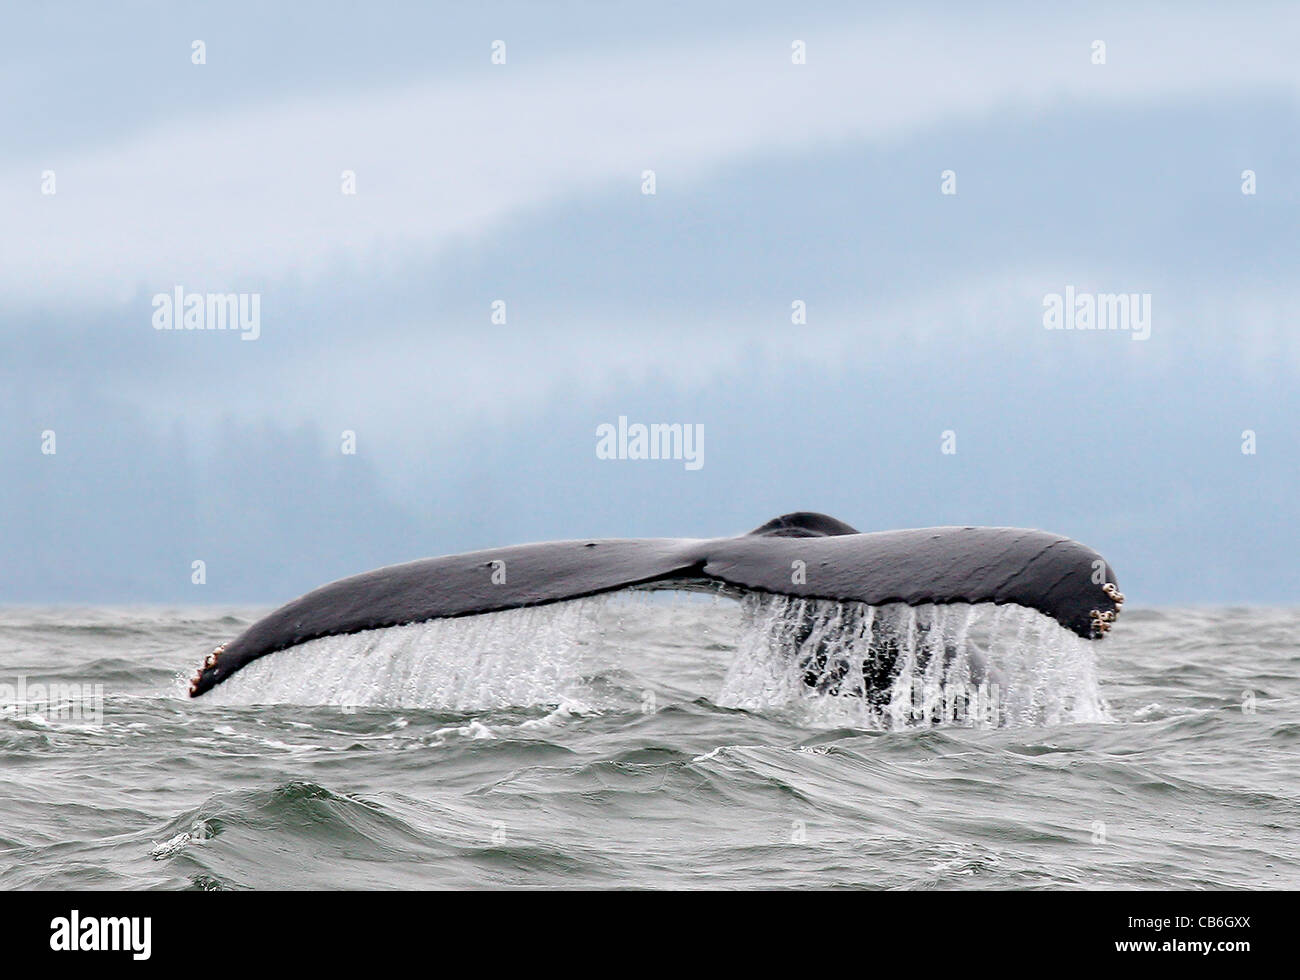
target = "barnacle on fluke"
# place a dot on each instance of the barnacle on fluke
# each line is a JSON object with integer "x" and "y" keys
{"x": 802, "y": 554}
{"x": 208, "y": 664}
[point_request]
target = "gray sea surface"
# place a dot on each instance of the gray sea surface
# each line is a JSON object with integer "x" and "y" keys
{"x": 644, "y": 742}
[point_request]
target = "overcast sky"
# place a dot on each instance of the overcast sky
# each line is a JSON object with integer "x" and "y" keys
{"x": 522, "y": 182}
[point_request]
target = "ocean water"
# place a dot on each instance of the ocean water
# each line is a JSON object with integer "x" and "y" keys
{"x": 654, "y": 741}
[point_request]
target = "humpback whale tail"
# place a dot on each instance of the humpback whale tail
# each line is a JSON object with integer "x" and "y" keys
{"x": 804, "y": 557}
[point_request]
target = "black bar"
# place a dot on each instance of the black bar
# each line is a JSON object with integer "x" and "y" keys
{"x": 925, "y": 930}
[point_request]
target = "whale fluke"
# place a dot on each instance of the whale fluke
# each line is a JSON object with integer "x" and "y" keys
{"x": 801, "y": 554}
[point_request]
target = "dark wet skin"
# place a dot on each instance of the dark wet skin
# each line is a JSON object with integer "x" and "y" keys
{"x": 805, "y": 555}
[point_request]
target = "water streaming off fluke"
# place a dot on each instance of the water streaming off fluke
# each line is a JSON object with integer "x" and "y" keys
{"x": 514, "y": 658}
{"x": 829, "y": 663}
{"x": 900, "y": 666}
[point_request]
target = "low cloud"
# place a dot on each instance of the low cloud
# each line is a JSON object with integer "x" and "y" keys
{"x": 214, "y": 200}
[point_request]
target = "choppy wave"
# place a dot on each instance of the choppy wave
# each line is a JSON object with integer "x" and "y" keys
{"x": 665, "y": 742}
